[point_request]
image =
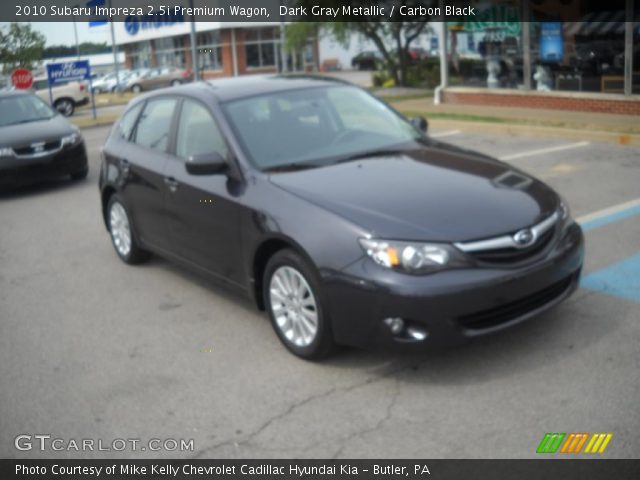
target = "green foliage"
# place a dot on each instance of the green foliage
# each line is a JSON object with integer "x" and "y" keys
{"x": 86, "y": 48}
{"x": 392, "y": 38}
{"x": 20, "y": 46}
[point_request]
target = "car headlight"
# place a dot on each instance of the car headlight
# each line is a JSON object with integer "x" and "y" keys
{"x": 564, "y": 212}
{"x": 6, "y": 152}
{"x": 413, "y": 257}
{"x": 70, "y": 139}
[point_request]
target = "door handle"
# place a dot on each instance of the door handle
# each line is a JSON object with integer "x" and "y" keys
{"x": 172, "y": 183}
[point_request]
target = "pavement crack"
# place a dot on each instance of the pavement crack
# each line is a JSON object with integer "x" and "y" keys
{"x": 247, "y": 440}
{"x": 378, "y": 425}
{"x": 270, "y": 421}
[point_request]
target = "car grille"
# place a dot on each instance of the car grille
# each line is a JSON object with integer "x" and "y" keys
{"x": 504, "y": 250}
{"x": 515, "y": 255}
{"x": 30, "y": 150}
{"x": 512, "y": 310}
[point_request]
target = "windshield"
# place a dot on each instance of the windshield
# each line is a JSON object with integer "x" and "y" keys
{"x": 23, "y": 109}
{"x": 318, "y": 126}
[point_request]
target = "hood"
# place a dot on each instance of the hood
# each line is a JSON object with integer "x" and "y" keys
{"x": 437, "y": 193}
{"x": 24, "y": 134}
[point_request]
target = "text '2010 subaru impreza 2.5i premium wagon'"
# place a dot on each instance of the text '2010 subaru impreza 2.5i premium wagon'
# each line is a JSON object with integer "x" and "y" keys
{"x": 339, "y": 217}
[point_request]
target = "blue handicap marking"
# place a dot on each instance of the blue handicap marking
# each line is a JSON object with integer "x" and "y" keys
{"x": 621, "y": 279}
{"x": 607, "y": 219}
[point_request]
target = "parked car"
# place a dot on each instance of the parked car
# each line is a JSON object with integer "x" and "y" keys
{"x": 338, "y": 216}
{"x": 108, "y": 83}
{"x": 36, "y": 142}
{"x": 368, "y": 60}
{"x": 65, "y": 97}
{"x": 158, "y": 78}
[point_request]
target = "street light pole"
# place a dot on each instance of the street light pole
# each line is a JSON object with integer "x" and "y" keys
{"x": 194, "y": 50}
{"x": 115, "y": 52}
{"x": 75, "y": 33}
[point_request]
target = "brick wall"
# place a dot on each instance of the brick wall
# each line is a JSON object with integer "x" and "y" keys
{"x": 586, "y": 103}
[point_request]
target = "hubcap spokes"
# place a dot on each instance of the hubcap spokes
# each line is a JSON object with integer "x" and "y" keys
{"x": 294, "y": 306}
{"x": 120, "y": 230}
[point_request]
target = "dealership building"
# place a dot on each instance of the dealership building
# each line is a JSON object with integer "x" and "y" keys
{"x": 222, "y": 49}
{"x": 573, "y": 55}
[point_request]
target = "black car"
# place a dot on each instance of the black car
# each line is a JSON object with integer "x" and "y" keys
{"x": 342, "y": 219}
{"x": 36, "y": 142}
{"x": 368, "y": 60}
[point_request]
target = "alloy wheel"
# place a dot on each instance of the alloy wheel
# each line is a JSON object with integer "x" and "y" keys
{"x": 120, "y": 229}
{"x": 293, "y": 305}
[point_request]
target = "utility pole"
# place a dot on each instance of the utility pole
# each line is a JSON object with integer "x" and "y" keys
{"x": 115, "y": 52}
{"x": 194, "y": 49}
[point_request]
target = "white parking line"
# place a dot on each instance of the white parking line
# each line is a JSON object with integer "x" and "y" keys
{"x": 608, "y": 211}
{"x": 445, "y": 134}
{"x": 541, "y": 151}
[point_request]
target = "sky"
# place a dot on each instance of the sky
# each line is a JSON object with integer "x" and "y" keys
{"x": 61, "y": 33}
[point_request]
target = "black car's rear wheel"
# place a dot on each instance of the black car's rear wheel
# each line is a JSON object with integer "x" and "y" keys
{"x": 293, "y": 301}
{"x": 121, "y": 231}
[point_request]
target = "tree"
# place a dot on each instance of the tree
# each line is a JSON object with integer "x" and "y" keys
{"x": 20, "y": 46}
{"x": 86, "y": 48}
{"x": 392, "y": 37}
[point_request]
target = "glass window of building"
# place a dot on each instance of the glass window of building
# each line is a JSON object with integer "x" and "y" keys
{"x": 209, "y": 50}
{"x": 261, "y": 47}
{"x": 579, "y": 49}
{"x": 170, "y": 52}
{"x": 140, "y": 54}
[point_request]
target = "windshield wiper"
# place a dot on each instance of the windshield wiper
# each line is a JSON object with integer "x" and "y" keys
{"x": 370, "y": 154}
{"x": 290, "y": 167}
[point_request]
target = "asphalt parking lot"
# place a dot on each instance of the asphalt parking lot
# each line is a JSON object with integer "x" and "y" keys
{"x": 92, "y": 348}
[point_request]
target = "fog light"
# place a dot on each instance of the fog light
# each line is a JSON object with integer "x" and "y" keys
{"x": 417, "y": 333}
{"x": 395, "y": 324}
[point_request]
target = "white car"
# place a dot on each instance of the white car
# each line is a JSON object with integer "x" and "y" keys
{"x": 108, "y": 83}
{"x": 65, "y": 97}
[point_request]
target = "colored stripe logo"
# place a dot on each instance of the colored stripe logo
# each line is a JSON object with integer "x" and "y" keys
{"x": 573, "y": 442}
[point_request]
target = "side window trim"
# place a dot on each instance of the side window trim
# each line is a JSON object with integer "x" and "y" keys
{"x": 142, "y": 105}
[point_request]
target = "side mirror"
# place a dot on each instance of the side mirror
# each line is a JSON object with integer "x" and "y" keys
{"x": 420, "y": 123}
{"x": 206, "y": 164}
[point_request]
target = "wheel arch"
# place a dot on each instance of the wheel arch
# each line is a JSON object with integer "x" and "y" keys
{"x": 265, "y": 250}
{"x": 107, "y": 193}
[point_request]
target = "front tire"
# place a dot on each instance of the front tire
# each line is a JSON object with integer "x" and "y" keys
{"x": 293, "y": 301}
{"x": 136, "y": 88}
{"x": 175, "y": 83}
{"x": 122, "y": 234}
{"x": 81, "y": 175}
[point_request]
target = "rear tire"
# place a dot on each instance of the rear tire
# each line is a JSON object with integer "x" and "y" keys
{"x": 122, "y": 233}
{"x": 136, "y": 88}
{"x": 175, "y": 83}
{"x": 64, "y": 106}
{"x": 293, "y": 300}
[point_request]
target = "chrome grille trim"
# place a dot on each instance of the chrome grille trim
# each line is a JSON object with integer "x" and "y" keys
{"x": 506, "y": 241}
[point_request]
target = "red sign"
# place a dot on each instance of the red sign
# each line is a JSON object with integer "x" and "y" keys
{"x": 22, "y": 79}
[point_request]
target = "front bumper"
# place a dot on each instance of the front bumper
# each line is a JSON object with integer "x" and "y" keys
{"x": 452, "y": 306}
{"x": 18, "y": 171}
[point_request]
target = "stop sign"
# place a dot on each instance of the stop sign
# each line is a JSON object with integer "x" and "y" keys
{"x": 22, "y": 78}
